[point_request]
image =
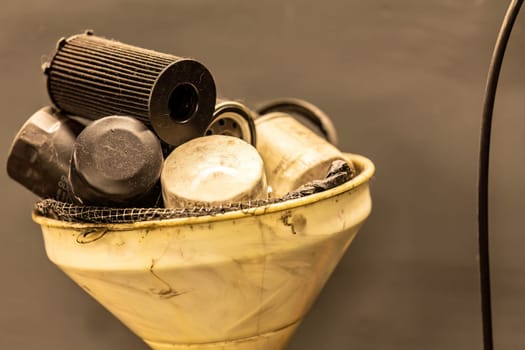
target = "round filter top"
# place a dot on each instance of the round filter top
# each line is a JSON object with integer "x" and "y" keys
{"x": 233, "y": 119}
{"x": 182, "y": 101}
{"x": 213, "y": 170}
{"x": 116, "y": 162}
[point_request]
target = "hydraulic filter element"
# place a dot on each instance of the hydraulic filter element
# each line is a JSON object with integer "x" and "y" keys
{"x": 213, "y": 170}
{"x": 116, "y": 162}
{"x": 40, "y": 154}
{"x": 95, "y": 77}
{"x": 232, "y": 118}
{"x": 293, "y": 154}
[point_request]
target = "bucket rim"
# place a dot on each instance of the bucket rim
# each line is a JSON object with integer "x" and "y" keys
{"x": 364, "y": 165}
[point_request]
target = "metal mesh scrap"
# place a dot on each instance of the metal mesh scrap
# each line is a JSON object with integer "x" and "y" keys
{"x": 339, "y": 173}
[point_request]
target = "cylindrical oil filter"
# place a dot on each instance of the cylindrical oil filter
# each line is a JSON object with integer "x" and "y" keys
{"x": 95, "y": 77}
{"x": 116, "y": 161}
{"x": 41, "y": 152}
{"x": 213, "y": 170}
{"x": 310, "y": 112}
{"x": 232, "y": 118}
{"x": 293, "y": 154}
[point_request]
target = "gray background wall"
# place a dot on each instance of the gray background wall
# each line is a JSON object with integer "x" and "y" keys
{"x": 403, "y": 81}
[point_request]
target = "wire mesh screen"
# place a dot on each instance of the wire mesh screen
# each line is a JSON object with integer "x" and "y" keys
{"x": 338, "y": 173}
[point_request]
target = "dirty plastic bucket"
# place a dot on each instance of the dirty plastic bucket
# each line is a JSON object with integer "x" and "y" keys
{"x": 241, "y": 280}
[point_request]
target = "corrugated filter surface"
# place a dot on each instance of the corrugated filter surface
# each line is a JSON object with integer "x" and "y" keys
{"x": 95, "y": 77}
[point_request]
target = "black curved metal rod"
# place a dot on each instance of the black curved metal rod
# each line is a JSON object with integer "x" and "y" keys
{"x": 483, "y": 180}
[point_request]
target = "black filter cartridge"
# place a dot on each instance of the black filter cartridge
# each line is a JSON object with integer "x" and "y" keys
{"x": 41, "y": 152}
{"x": 95, "y": 77}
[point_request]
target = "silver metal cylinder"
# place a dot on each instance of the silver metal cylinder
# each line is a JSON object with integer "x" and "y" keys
{"x": 213, "y": 170}
{"x": 293, "y": 154}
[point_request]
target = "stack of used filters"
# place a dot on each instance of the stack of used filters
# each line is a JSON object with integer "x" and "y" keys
{"x": 135, "y": 128}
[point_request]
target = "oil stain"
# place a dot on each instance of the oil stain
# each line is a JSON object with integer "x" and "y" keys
{"x": 91, "y": 235}
{"x": 297, "y": 222}
{"x": 164, "y": 293}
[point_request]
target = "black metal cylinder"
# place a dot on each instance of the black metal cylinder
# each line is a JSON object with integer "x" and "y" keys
{"x": 116, "y": 161}
{"x": 95, "y": 77}
{"x": 40, "y": 155}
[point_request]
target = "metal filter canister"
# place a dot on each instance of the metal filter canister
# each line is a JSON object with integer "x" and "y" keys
{"x": 41, "y": 152}
{"x": 116, "y": 162}
{"x": 293, "y": 154}
{"x": 213, "y": 170}
{"x": 95, "y": 77}
{"x": 233, "y": 118}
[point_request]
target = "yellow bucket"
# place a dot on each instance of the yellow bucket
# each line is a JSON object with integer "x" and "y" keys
{"x": 241, "y": 280}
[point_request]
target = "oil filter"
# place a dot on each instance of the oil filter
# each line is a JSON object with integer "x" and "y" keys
{"x": 293, "y": 154}
{"x": 95, "y": 77}
{"x": 233, "y": 118}
{"x": 213, "y": 170}
{"x": 117, "y": 162}
{"x": 304, "y": 109}
{"x": 41, "y": 151}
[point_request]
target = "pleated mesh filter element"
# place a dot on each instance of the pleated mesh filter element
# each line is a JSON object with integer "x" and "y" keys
{"x": 95, "y": 77}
